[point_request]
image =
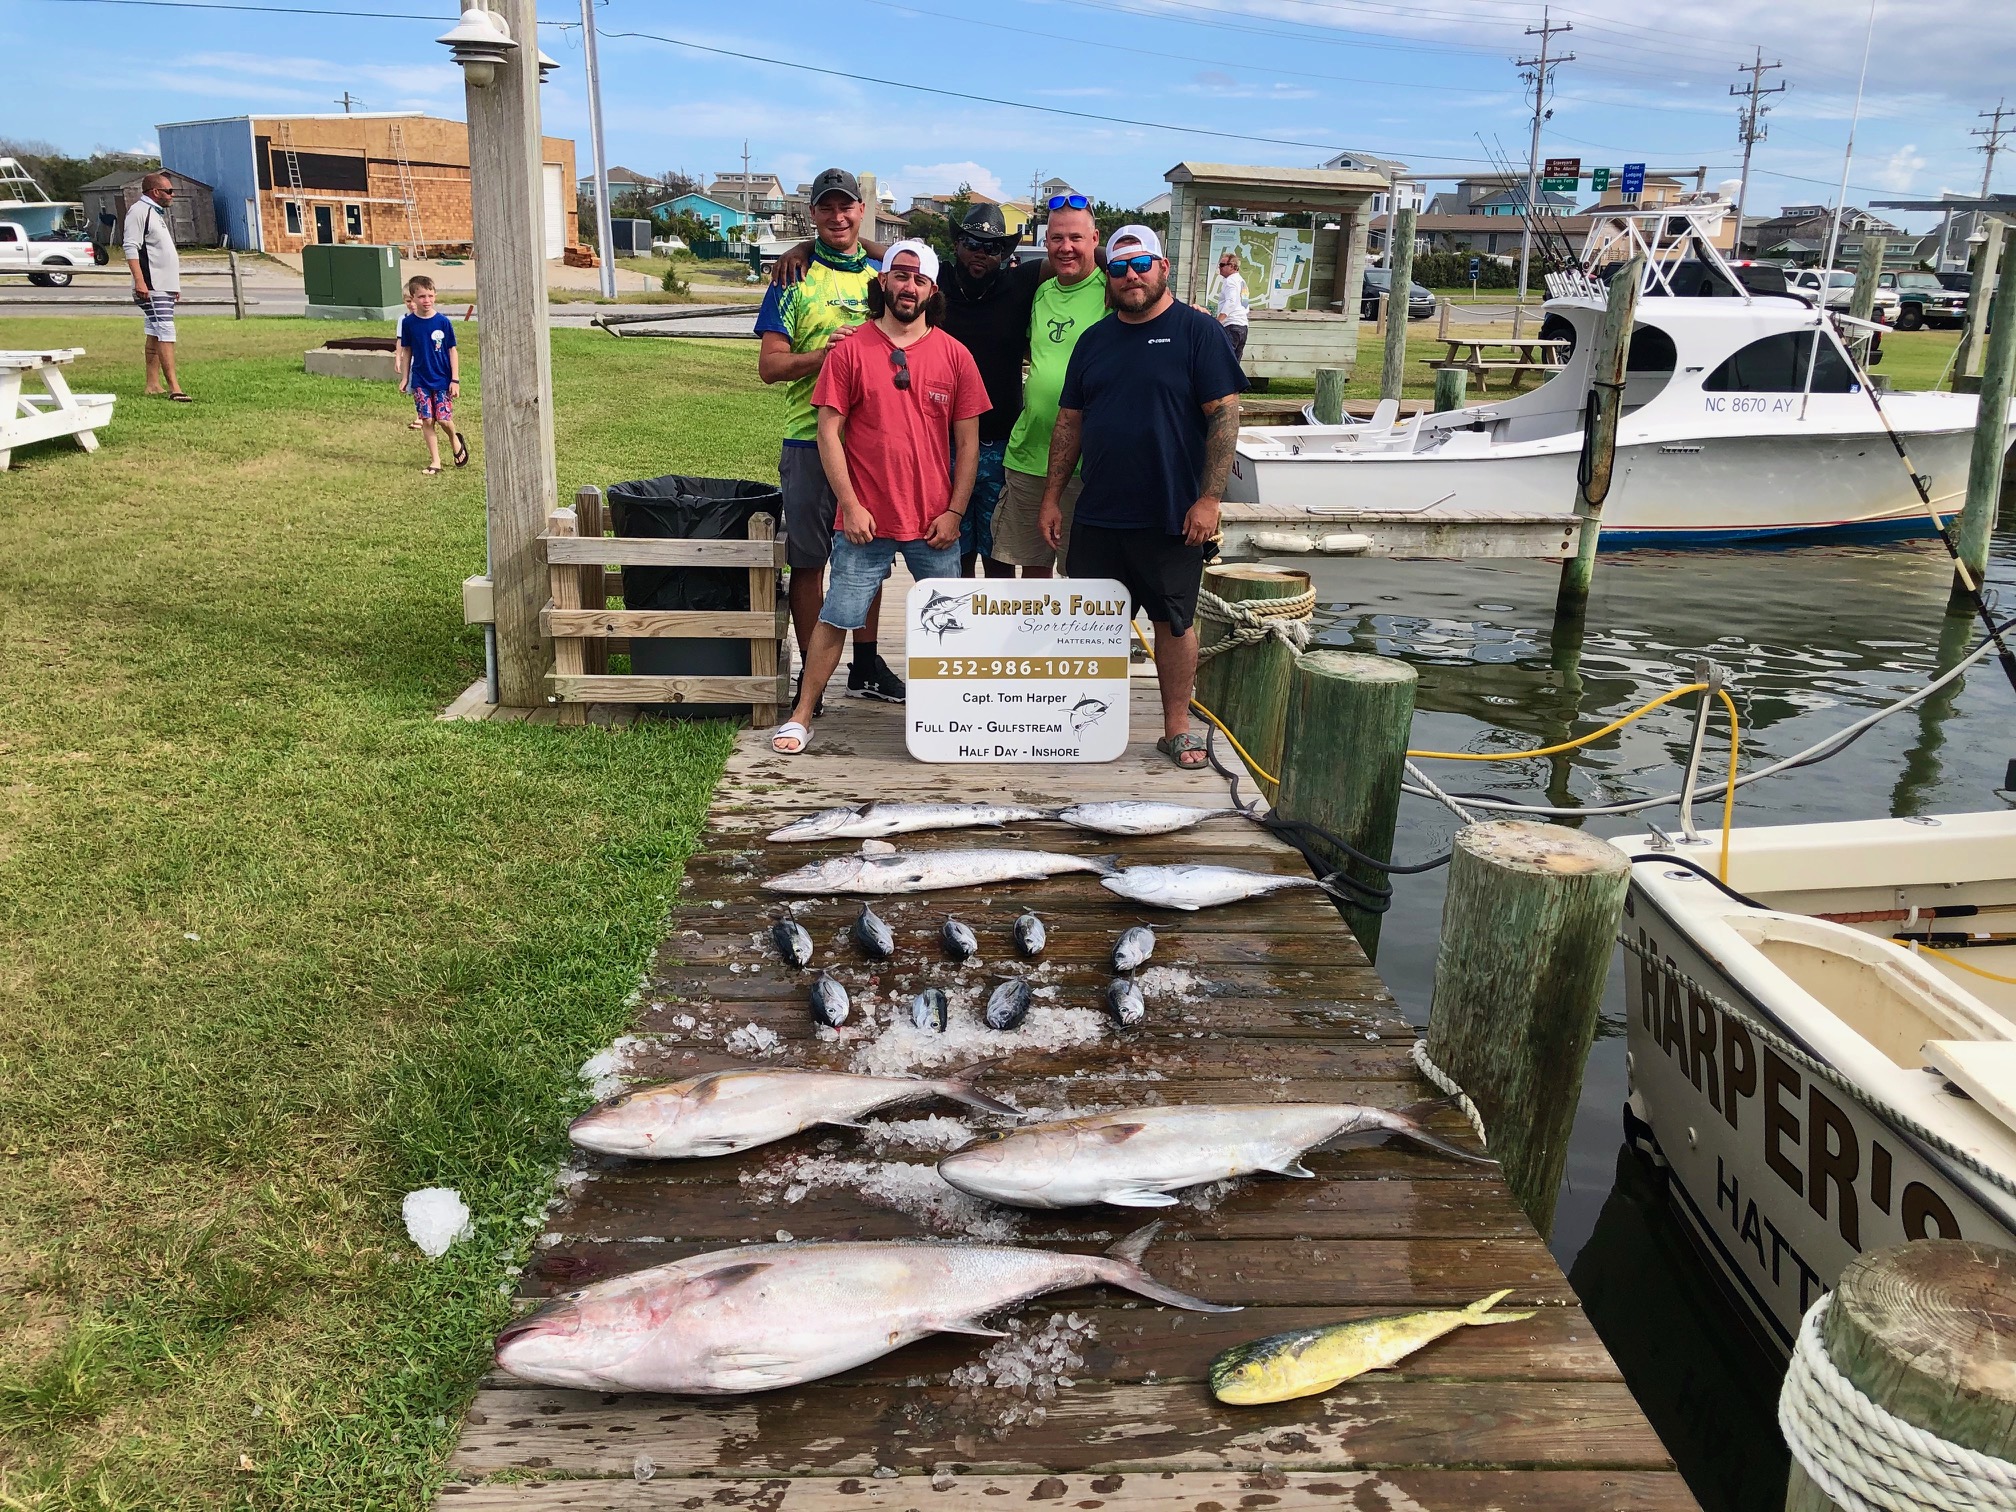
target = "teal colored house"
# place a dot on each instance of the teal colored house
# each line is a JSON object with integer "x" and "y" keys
{"x": 723, "y": 218}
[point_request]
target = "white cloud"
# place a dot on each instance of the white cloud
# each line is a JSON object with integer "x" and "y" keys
{"x": 941, "y": 178}
{"x": 1900, "y": 169}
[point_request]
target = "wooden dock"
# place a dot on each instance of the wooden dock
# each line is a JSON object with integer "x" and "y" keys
{"x": 1268, "y": 1000}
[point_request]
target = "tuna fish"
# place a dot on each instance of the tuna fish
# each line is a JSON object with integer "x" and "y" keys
{"x": 871, "y": 821}
{"x": 1030, "y": 936}
{"x": 876, "y": 939}
{"x": 829, "y": 1002}
{"x": 1193, "y": 887}
{"x": 1133, "y": 948}
{"x": 792, "y": 942}
{"x": 927, "y": 871}
{"x": 960, "y": 941}
{"x": 724, "y": 1112}
{"x": 928, "y": 1010}
{"x": 763, "y": 1316}
{"x": 1135, "y": 817}
{"x": 1308, "y": 1361}
{"x": 1138, "y": 1157}
{"x": 1125, "y": 1003}
{"x": 1008, "y": 1004}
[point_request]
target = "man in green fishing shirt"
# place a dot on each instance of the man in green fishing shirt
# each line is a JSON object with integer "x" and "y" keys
{"x": 797, "y": 324}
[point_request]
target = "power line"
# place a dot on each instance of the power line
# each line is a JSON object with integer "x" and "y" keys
{"x": 1539, "y": 74}
{"x": 1750, "y": 127}
{"x": 1992, "y": 135}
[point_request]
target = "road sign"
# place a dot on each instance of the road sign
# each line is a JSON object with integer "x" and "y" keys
{"x": 1562, "y": 167}
{"x": 1599, "y": 179}
{"x": 1036, "y": 672}
{"x": 1476, "y": 267}
{"x": 1562, "y": 185}
{"x": 1634, "y": 181}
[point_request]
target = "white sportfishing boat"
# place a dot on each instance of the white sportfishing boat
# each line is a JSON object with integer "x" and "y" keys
{"x": 1886, "y": 951}
{"x": 27, "y": 203}
{"x": 1733, "y": 428}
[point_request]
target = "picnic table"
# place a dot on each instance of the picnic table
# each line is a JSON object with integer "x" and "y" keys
{"x": 1482, "y": 356}
{"x": 28, "y": 417}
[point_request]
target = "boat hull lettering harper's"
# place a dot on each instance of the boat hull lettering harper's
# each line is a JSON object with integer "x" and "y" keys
{"x": 1782, "y": 1176}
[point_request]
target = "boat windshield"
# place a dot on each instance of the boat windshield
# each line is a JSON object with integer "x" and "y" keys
{"x": 1776, "y": 364}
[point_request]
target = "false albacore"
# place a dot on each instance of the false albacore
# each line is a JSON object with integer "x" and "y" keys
{"x": 829, "y": 1002}
{"x": 1125, "y": 1003}
{"x": 792, "y": 942}
{"x": 1138, "y": 1157}
{"x": 960, "y": 941}
{"x": 1307, "y": 1361}
{"x": 763, "y": 1316}
{"x": 1137, "y": 817}
{"x": 724, "y": 1112}
{"x": 1008, "y": 1004}
{"x": 1133, "y": 947}
{"x": 927, "y": 871}
{"x": 1030, "y": 936}
{"x": 873, "y": 934}
{"x": 870, "y": 821}
{"x": 930, "y": 1008}
{"x": 1194, "y": 887}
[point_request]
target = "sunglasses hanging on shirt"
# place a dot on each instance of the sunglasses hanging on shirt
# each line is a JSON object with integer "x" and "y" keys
{"x": 900, "y": 360}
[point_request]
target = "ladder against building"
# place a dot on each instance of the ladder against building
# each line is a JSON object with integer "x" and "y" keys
{"x": 291, "y": 161}
{"x": 408, "y": 195}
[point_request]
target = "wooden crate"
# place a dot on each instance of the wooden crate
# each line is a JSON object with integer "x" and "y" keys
{"x": 579, "y": 558}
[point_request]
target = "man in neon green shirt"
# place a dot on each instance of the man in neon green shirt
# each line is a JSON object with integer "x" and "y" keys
{"x": 1066, "y": 307}
{"x": 796, "y": 326}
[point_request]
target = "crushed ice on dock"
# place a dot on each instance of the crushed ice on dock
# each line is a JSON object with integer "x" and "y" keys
{"x": 917, "y": 1190}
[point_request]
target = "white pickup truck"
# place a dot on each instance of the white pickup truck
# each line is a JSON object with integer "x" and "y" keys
{"x": 44, "y": 262}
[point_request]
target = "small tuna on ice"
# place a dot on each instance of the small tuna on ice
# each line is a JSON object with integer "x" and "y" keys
{"x": 960, "y": 941}
{"x": 1008, "y": 1004}
{"x": 929, "y": 1009}
{"x": 1030, "y": 936}
{"x": 876, "y": 939}
{"x": 792, "y": 942}
{"x": 1133, "y": 948}
{"x": 829, "y": 1002}
{"x": 1125, "y": 1003}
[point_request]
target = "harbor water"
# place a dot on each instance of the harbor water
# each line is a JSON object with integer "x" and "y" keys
{"x": 1811, "y": 638}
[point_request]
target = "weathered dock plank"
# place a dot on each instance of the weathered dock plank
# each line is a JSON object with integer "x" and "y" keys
{"x": 1265, "y": 1001}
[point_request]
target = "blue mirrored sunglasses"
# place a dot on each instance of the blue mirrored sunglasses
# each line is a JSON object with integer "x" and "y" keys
{"x": 1120, "y": 267}
{"x": 1069, "y": 202}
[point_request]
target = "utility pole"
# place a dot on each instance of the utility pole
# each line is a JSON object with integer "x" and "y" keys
{"x": 1538, "y": 71}
{"x": 349, "y": 99}
{"x": 1750, "y": 127}
{"x": 745, "y": 179}
{"x": 1991, "y": 136}
{"x": 605, "y": 237}
{"x": 1035, "y": 188}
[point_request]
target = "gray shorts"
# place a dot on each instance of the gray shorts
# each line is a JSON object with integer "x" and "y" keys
{"x": 1017, "y": 538}
{"x": 157, "y": 314}
{"x": 809, "y": 506}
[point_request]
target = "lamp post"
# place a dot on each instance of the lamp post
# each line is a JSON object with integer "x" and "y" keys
{"x": 501, "y": 69}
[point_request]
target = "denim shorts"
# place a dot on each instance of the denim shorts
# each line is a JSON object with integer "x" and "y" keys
{"x": 976, "y": 531}
{"x": 859, "y": 571}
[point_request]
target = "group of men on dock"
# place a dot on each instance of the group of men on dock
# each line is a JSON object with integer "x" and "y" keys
{"x": 909, "y": 427}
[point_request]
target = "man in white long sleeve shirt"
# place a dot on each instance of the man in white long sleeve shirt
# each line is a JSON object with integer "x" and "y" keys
{"x": 157, "y": 280}
{"x": 1233, "y": 304}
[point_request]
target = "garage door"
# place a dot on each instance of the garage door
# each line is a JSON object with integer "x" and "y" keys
{"x": 556, "y": 220}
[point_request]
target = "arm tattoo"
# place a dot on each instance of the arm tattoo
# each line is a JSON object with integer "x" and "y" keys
{"x": 1221, "y": 436}
{"x": 1065, "y": 440}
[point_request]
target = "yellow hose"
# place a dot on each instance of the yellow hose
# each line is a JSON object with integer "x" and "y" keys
{"x": 1951, "y": 959}
{"x": 1566, "y": 745}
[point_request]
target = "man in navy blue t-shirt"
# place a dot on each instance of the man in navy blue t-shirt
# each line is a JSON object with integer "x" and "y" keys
{"x": 1151, "y": 402}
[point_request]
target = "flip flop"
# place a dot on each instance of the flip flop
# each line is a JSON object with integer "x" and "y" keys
{"x": 428, "y": 472}
{"x": 1176, "y": 747}
{"x": 791, "y": 729}
{"x": 461, "y": 451}
{"x": 413, "y": 425}
{"x": 178, "y": 397}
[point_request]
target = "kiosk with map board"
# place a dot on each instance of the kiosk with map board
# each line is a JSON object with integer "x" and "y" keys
{"x": 1017, "y": 669}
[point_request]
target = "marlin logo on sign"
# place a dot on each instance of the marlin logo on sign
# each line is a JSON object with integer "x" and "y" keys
{"x": 941, "y": 615}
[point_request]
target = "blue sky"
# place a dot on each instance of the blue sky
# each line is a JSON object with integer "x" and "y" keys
{"x": 1422, "y": 82}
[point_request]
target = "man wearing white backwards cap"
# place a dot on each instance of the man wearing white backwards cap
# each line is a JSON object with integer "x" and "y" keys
{"x": 899, "y": 405}
{"x": 1151, "y": 402}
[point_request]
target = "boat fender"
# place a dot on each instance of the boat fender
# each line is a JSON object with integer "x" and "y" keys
{"x": 1281, "y": 543}
{"x": 1345, "y": 543}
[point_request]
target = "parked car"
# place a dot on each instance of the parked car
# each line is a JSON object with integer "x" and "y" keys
{"x": 1927, "y": 299}
{"x": 1841, "y": 291}
{"x": 1378, "y": 281}
{"x": 20, "y": 255}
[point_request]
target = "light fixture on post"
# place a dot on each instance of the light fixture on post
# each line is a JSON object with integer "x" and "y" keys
{"x": 546, "y": 66}
{"x": 479, "y": 42}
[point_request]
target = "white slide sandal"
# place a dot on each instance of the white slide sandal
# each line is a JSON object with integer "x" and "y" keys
{"x": 791, "y": 729}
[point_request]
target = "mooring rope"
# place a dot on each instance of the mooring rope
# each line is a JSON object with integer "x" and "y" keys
{"x": 1866, "y": 1458}
{"x": 1425, "y": 1064}
{"x": 1251, "y": 621}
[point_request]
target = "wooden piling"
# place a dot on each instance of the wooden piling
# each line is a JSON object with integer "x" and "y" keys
{"x": 1967, "y": 362}
{"x": 237, "y": 284}
{"x": 1330, "y": 395}
{"x": 1862, "y": 303}
{"x": 1381, "y": 305}
{"x": 1451, "y": 385}
{"x": 1991, "y": 433}
{"x": 1607, "y": 364}
{"x": 1400, "y": 264}
{"x": 1344, "y": 750}
{"x": 1529, "y": 925}
{"x": 1927, "y": 1331}
{"x": 1247, "y": 686}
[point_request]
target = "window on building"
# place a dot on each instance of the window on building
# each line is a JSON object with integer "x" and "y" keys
{"x": 353, "y": 220}
{"x": 1777, "y": 365}
{"x": 293, "y": 217}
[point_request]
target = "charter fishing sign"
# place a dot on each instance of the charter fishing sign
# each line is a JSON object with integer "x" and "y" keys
{"x": 1028, "y": 669}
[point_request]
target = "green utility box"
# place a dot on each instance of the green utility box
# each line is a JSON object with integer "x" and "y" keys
{"x": 352, "y": 282}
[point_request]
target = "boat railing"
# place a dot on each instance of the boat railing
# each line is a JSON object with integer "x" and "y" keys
{"x": 1667, "y": 236}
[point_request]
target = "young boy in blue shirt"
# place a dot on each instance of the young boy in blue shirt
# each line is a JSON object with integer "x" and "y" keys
{"x": 430, "y": 369}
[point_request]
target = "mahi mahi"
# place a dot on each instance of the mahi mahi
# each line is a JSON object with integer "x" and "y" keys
{"x": 1307, "y": 1361}
{"x": 1194, "y": 887}
{"x": 763, "y": 1316}
{"x": 1134, "y": 816}
{"x": 927, "y": 871}
{"x": 1138, "y": 1157}
{"x": 724, "y": 1112}
{"x": 870, "y": 821}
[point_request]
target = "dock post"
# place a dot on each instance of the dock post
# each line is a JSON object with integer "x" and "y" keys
{"x": 1344, "y": 749}
{"x": 1329, "y": 405}
{"x": 1247, "y": 686}
{"x": 1862, "y": 303}
{"x": 1967, "y": 361}
{"x": 1529, "y": 926}
{"x": 1441, "y": 320}
{"x": 1518, "y": 316}
{"x": 1451, "y": 385}
{"x": 1400, "y": 263}
{"x": 1991, "y": 433}
{"x": 237, "y": 284}
{"x": 1607, "y": 365}
{"x": 1923, "y": 1331}
{"x": 1379, "y": 318}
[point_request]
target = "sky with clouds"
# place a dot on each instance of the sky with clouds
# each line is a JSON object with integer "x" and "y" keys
{"x": 1105, "y": 93}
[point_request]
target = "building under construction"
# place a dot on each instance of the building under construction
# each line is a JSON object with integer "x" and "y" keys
{"x": 388, "y": 178}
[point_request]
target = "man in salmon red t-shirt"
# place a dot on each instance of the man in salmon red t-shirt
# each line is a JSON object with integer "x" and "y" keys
{"x": 899, "y": 405}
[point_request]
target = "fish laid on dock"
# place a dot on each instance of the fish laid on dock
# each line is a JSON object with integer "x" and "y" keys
{"x": 928, "y": 871}
{"x": 960, "y": 941}
{"x": 830, "y": 1003}
{"x": 871, "y": 821}
{"x": 792, "y": 942}
{"x": 873, "y": 934}
{"x": 1133, "y": 947}
{"x": 930, "y": 1009}
{"x": 763, "y": 1316}
{"x": 1307, "y": 1361}
{"x": 1195, "y": 887}
{"x": 1137, "y": 817}
{"x": 1138, "y": 1157}
{"x": 724, "y": 1112}
{"x": 1030, "y": 936}
{"x": 1125, "y": 1003}
{"x": 1008, "y": 1004}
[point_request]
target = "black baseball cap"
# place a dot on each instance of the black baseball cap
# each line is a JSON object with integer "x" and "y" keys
{"x": 831, "y": 180}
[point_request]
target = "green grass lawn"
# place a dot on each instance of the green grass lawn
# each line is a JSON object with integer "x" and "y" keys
{"x": 280, "y": 947}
